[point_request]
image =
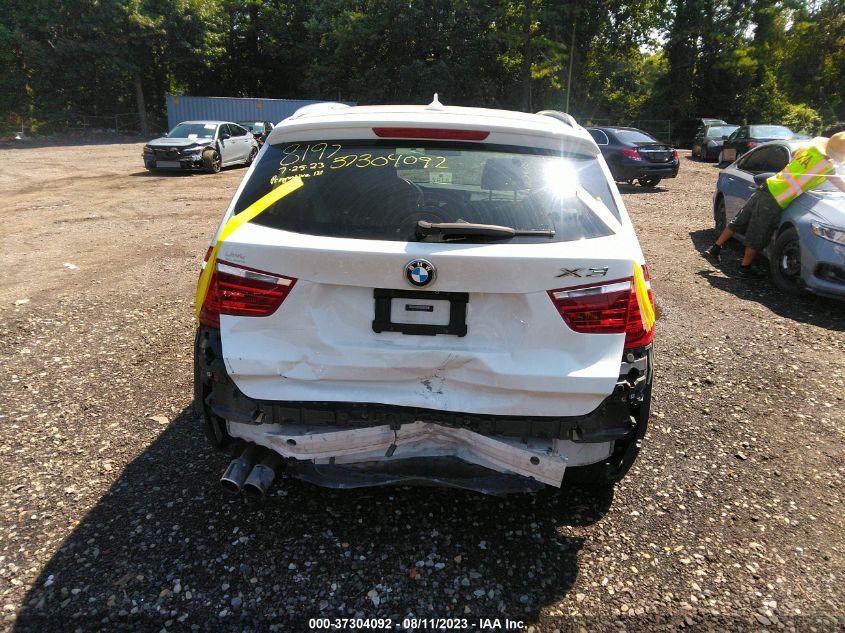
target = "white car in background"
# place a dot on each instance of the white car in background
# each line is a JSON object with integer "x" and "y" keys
{"x": 427, "y": 294}
{"x": 201, "y": 146}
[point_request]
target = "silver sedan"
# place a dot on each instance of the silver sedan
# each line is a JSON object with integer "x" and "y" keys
{"x": 201, "y": 146}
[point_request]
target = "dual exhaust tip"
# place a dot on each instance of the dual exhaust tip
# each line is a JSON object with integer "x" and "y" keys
{"x": 252, "y": 472}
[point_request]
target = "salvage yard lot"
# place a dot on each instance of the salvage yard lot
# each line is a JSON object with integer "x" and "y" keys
{"x": 112, "y": 517}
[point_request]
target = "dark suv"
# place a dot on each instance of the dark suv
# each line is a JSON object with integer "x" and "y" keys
{"x": 684, "y": 132}
{"x": 259, "y": 129}
{"x": 631, "y": 155}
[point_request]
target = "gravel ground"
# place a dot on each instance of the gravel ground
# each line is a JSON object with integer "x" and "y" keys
{"x": 112, "y": 517}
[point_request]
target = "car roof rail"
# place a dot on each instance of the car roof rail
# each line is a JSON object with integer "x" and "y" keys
{"x": 560, "y": 116}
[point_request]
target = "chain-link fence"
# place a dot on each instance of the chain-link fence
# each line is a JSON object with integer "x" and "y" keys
{"x": 124, "y": 123}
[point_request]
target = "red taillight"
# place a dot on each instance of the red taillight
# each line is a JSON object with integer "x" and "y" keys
{"x": 241, "y": 291}
{"x": 607, "y": 308}
{"x": 632, "y": 153}
{"x": 433, "y": 133}
{"x": 675, "y": 154}
{"x": 635, "y": 334}
{"x": 752, "y": 144}
{"x": 601, "y": 309}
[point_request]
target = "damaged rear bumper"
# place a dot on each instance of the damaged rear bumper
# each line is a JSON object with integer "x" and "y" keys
{"x": 344, "y": 445}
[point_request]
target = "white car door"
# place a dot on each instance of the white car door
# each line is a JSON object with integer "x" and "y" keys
{"x": 244, "y": 140}
{"x": 229, "y": 149}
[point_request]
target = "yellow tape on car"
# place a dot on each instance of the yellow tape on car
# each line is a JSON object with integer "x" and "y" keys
{"x": 643, "y": 300}
{"x": 235, "y": 222}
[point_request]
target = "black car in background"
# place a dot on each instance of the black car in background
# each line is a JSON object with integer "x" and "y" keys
{"x": 747, "y": 137}
{"x": 632, "y": 154}
{"x": 259, "y": 129}
{"x": 684, "y": 132}
{"x": 708, "y": 142}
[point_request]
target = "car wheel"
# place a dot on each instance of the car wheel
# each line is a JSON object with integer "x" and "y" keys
{"x": 649, "y": 182}
{"x": 785, "y": 262}
{"x": 720, "y": 216}
{"x": 211, "y": 161}
{"x": 252, "y": 154}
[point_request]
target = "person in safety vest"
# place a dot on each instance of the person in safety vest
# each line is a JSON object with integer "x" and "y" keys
{"x": 823, "y": 160}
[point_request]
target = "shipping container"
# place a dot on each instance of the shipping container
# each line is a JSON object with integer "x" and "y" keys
{"x": 181, "y": 108}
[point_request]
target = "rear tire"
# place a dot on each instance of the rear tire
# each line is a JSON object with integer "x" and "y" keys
{"x": 785, "y": 263}
{"x": 649, "y": 182}
{"x": 252, "y": 154}
{"x": 720, "y": 216}
{"x": 211, "y": 161}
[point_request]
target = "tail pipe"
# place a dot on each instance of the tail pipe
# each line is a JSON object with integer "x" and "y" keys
{"x": 262, "y": 475}
{"x": 239, "y": 468}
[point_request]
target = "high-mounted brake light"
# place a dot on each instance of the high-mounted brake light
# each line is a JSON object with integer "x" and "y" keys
{"x": 432, "y": 133}
{"x": 632, "y": 153}
{"x": 607, "y": 308}
{"x": 240, "y": 291}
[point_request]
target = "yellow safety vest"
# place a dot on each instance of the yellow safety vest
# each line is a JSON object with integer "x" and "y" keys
{"x": 804, "y": 173}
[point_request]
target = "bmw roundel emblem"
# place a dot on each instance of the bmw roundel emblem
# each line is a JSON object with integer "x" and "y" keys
{"x": 420, "y": 272}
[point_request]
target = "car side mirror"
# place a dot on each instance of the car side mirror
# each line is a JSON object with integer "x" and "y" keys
{"x": 759, "y": 179}
{"x": 224, "y": 136}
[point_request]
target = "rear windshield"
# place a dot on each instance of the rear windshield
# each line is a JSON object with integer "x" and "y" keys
{"x": 379, "y": 190}
{"x": 634, "y": 136}
{"x": 721, "y": 130}
{"x": 771, "y": 131}
{"x": 253, "y": 126}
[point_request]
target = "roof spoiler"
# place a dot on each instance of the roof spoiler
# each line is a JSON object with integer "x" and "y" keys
{"x": 563, "y": 117}
{"x": 311, "y": 108}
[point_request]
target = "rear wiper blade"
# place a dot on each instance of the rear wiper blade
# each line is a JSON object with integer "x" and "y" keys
{"x": 456, "y": 231}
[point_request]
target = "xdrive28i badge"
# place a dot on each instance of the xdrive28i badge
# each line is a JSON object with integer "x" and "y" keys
{"x": 420, "y": 272}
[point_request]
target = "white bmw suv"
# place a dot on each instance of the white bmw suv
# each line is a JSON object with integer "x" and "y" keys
{"x": 425, "y": 294}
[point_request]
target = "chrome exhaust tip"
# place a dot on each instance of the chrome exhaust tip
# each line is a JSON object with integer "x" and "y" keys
{"x": 238, "y": 470}
{"x": 261, "y": 476}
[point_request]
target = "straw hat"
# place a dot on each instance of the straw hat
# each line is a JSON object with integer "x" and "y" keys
{"x": 834, "y": 147}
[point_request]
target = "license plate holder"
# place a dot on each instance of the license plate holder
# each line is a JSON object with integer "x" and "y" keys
{"x": 168, "y": 164}
{"x": 384, "y": 304}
